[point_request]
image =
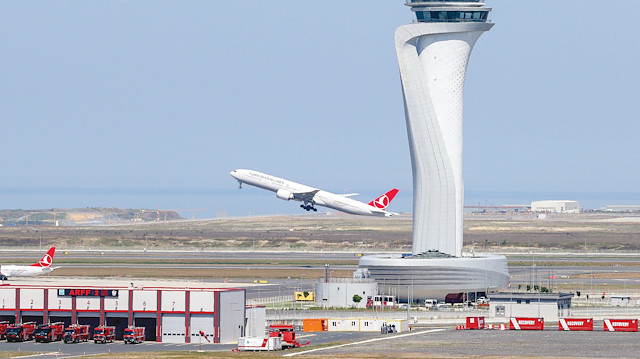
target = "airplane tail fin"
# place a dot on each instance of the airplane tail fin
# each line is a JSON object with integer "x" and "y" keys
{"x": 47, "y": 259}
{"x": 383, "y": 201}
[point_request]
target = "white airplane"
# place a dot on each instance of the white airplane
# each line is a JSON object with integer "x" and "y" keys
{"x": 288, "y": 190}
{"x": 42, "y": 267}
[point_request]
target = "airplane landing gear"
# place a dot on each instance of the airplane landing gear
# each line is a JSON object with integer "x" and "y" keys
{"x": 239, "y": 185}
{"x": 308, "y": 207}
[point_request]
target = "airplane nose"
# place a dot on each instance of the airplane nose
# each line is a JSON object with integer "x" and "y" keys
{"x": 234, "y": 174}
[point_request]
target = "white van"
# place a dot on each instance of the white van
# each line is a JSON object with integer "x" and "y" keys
{"x": 430, "y": 304}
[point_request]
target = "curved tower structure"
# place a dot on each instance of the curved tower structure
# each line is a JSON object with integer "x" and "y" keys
{"x": 433, "y": 54}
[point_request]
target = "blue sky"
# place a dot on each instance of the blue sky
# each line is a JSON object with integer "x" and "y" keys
{"x": 175, "y": 94}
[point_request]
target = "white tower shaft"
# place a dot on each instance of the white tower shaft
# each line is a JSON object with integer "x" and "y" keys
{"x": 433, "y": 60}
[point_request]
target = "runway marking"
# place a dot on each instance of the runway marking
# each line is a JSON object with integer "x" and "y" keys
{"x": 79, "y": 356}
{"x": 37, "y": 355}
{"x": 366, "y": 341}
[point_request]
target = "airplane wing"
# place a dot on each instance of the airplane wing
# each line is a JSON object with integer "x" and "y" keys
{"x": 382, "y": 212}
{"x": 349, "y": 194}
{"x": 305, "y": 196}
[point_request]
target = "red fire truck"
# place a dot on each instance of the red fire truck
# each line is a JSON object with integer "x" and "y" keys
{"x": 287, "y": 333}
{"x": 3, "y": 330}
{"x": 20, "y": 332}
{"x": 104, "y": 334}
{"x": 51, "y": 332}
{"x": 134, "y": 335}
{"x": 76, "y": 333}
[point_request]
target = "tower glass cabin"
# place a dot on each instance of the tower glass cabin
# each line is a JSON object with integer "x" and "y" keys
{"x": 449, "y": 10}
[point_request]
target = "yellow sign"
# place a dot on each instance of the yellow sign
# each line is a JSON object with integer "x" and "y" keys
{"x": 305, "y": 296}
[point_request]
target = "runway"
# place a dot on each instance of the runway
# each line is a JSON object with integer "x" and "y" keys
{"x": 595, "y": 273}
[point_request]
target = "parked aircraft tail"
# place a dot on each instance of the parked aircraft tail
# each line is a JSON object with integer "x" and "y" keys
{"x": 47, "y": 259}
{"x": 383, "y": 201}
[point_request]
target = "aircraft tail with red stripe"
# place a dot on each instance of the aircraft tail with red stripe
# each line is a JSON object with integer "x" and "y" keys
{"x": 383, "y": 201}
{"x": 47, "y": 259}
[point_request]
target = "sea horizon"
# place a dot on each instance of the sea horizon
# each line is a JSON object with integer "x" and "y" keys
{"x": 216, "y": 203}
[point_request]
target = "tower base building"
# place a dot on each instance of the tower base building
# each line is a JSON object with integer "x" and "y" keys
{"x": 436, "y": 276}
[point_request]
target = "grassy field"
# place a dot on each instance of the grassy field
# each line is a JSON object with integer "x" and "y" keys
{"x": 601, "y": 232}
{"x": 598, "y": 231}
{"x": 190, "y": 273}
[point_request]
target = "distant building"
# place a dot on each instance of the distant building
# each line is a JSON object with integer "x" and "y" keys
{"x": 563, "y": 206}
{"x": 623, "y": 208}
{"x": 620, "y": 300}
{"x": 549, "y": 306}
{"x": 168, "y": 314}
{"x": 341, "y": 292}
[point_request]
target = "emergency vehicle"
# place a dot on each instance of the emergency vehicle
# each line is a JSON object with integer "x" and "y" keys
{"x": 51, "y": 332}
{"x": 20, "y": 332}
{"x": 134, "y": 335}
{"x": 76, "y": 333}
{"x": 104, "y": 334}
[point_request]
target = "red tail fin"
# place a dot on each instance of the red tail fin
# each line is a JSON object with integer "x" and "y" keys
{"x": 47, "y": 259}
{"x": 383, "y": 201}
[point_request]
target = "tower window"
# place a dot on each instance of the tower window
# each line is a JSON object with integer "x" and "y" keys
{"x": 451, "y": 16}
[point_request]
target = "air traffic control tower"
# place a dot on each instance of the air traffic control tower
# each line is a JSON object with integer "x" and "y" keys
{"x": 433, "y": 53}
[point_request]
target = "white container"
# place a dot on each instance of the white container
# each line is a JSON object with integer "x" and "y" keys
{"x": 259, "y": 343}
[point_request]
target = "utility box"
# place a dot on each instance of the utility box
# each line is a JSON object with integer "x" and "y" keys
{"x": 575, "y": 324}
{"x": 621, "y": 325}
{"x": 256, "y": 320}
{"x": 527, "y": 324}
{"x": 399, "y": 325}
{"x": 475, "y": 322}
{"x": 314, "y": 325}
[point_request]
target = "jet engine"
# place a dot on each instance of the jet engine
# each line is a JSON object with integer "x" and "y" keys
{"x": 284, "y": 194}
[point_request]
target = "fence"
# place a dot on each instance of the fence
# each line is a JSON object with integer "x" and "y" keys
{"x": 284, "y": 299}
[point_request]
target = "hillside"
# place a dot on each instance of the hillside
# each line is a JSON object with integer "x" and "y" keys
{"x": 82, "y": 216}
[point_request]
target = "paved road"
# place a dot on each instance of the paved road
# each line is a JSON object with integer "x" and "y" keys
{"x": 180, "y": 254}
{"x": 493, "y": 343}
{"x": 61, "y": 350}
{"x": 567, "y": 276}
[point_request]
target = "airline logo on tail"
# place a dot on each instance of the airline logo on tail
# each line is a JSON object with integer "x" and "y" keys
{"x": 383, "y": 201}
{"x": 47, "y": 259}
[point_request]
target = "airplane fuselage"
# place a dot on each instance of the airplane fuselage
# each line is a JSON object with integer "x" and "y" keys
{"x": 23, "y": 271}
{"x": 42, "y": 267}
{"x": 289, "y": 190}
